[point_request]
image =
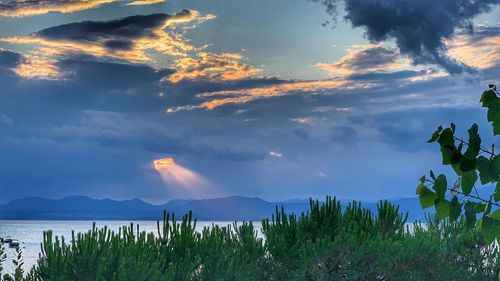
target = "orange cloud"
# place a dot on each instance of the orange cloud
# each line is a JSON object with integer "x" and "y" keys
{"x": 163, "y": 163}
{"x": 221, "y": 98}
{"x": 33, "y": 68}
{"x": 158, "y": 40}
{"x": 476, "y": 51}
{"x": 148, "y": 41}
{"x": 211, "y": 66}
{"x": 145, "y": 2}
{"x": 40, "y": 7}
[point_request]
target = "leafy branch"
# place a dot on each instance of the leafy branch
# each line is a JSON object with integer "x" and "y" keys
{"x": 468, "y": 163}
{"x": 453, "y": 190}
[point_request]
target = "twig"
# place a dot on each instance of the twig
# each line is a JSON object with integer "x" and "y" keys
{"x": 482, "y": 148}
{"x": 470, "y": 196}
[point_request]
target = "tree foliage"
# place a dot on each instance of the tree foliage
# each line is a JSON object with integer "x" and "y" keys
{"x": 474, "y": 166}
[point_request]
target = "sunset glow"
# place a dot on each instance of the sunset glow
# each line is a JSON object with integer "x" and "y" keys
{"x": 181, "y": 180}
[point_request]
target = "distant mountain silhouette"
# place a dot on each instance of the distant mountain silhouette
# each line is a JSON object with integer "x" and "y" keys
{"x": 228, "y": 208}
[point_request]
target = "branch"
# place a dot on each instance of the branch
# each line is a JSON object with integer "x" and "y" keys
{"x": 482, "y": 148}
{"x": 469, "y": 195}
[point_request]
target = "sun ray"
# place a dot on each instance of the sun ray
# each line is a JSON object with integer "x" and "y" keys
{"x": 181, "y": 180}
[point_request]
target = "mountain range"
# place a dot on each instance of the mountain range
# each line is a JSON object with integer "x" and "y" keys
{"x": 218, "y": 209}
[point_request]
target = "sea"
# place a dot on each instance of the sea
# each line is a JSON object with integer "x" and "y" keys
{"x": 30, "y": 234}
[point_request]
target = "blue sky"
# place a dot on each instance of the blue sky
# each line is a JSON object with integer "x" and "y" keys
{"x": 199, "y": 99}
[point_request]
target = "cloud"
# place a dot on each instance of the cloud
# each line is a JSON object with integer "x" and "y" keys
{"x": 221, "y": 98}
{"x": 108, "y": 108}
{"x": 344, "y": 134}
{"x": 151, "y": 39}
{"x": 366, "y": 58}
{"x": 128, "y": 39}
{"x": 301, "y": 133}
{"x": 145, "y": 2}
{"x": 308, "y": 120}
{"x": 479, "y": 49}
{"x": 211, "y": 66}
{"x": 419, "y": 28}
{"x": 108, "y": 105}
{"x": 39, "y": 7}
{"x": 28, "y": 67}
{"x": 9, "y": 59}
{"x": 275, "y": 154}
{"x": 5, "y": 120}
{"x": 34, "y": 68}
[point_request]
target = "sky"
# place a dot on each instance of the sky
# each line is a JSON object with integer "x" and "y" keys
{"x": 279, "y": 99}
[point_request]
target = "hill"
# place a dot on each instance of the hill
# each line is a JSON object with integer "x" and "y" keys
{"x": 217, "y": 209}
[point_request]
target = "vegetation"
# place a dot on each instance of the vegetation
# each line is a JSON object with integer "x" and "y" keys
{"x": 327, "y": 243}
{"x": 474, "y": 165}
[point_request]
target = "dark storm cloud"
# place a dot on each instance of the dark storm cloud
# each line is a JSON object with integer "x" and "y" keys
{"x": 121, "y": 31}
{"x": 419, "y": 28}
{"x": 9, "y": 59}
{"x": 127, "y": 105}
{"x": 105, "y": 113}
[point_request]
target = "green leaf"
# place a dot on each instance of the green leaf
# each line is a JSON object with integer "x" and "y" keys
{"x": 467, "y": 164}
{"x": 493, "y": 109}
{"x": 490, "y": 228}
{"x": 422, "y": 179}
{"x": 474, "y": 143}
{"x": 496, "y": 215}
{"x": 447, "y": 143}
{"x": 435, "y": 135}
{"x": 456, "y": 168}
{"x": 468, "y": 181}
{"x": 483, "y": 165}
{"x": 496, "y": 195}
{"x": 480, "y": 207}
{"x": 432, "y": 175}
{"x": 495, "y": 167}
{"x": 453, "y": 127}
{"x": 496, "y": 125}
{"x": 455, "y": 209}
{"x": 488, "y": 97}
{"x": 426, "y": 196}
{"x": 440, "y": 185}
{"x": 470, "y": 214}
{"x": 442, "y": 208}
{"x": 456, "y": 156}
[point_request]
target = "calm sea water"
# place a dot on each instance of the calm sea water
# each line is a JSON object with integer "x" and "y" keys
{"x": 29, "y": 233}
